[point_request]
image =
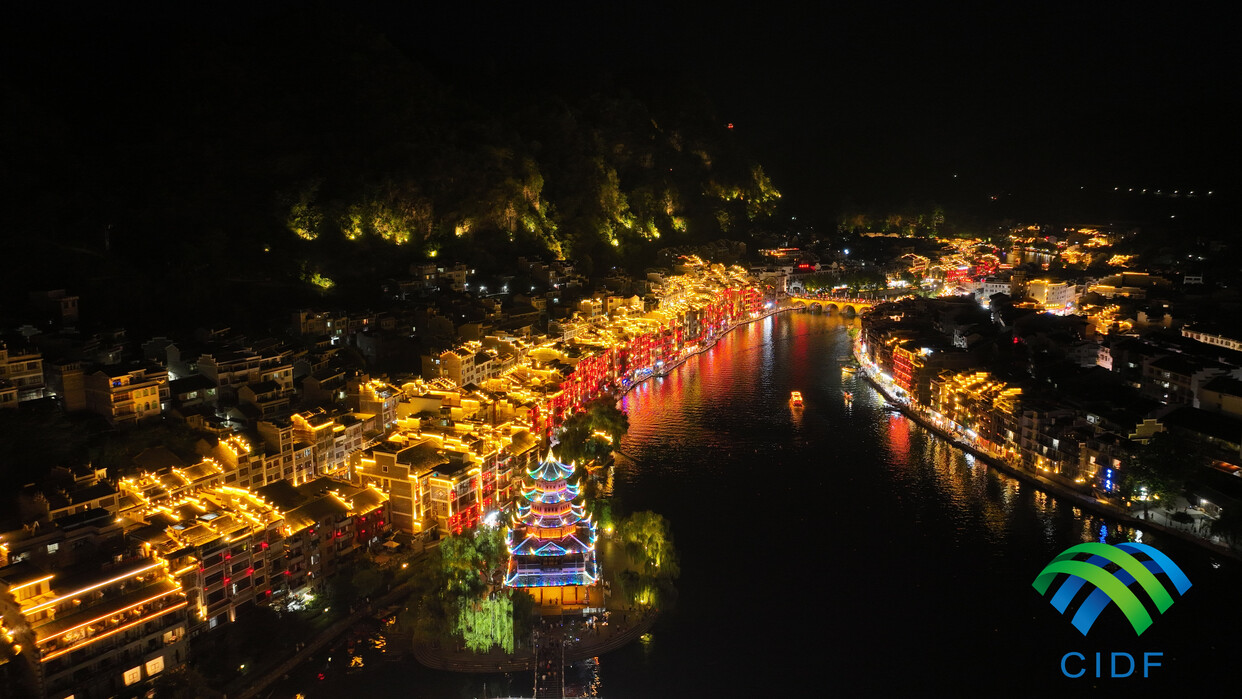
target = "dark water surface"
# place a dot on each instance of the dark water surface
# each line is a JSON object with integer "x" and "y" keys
{"x": 841, "y": 549}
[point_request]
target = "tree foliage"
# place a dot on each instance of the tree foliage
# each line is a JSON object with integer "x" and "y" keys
{"x": 461, "y": 562}
{"x": 1229, "y": 525}
{"x": 313, "y": 138}
{"x": 652, "y": 564}
{"x": 649, "y": 543}
{"x": 471, "y": 560}
{"x": 430, "y": 607}
{"x": 367, "y": 580}
{"x": 592, "y": 434}
{"x": 922, "y": 220}
{"x": 454, "y": 590}
{"x": 1162, "y": 467}
{"x": 486, "y": 622}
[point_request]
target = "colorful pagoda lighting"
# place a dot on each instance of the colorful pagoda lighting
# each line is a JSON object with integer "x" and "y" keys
{"x": 551, "y": 540}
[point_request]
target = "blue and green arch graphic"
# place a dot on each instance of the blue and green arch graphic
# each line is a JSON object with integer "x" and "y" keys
{"x": 1112, "y": 587}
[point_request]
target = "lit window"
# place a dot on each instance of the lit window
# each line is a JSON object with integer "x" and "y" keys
{"x": 133, "y": 676}
{"x": 154, "y": 667}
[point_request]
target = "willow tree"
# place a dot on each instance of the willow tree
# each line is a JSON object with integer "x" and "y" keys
{"x": 649, "y": 543}
{"x": 487, "y": 622}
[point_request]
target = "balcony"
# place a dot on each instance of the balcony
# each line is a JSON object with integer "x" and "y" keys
{"x": 118, "y": 618}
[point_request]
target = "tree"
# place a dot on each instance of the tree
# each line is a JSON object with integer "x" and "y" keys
{"x": 430, "y": 604}
{"x": 608, "y": 419}
{"x": 1161, "y": 468}
{"x": 341, "y": 593}
{"x": 490, "y": 543}
{"x": 461, "y": 562}
{"x": 431, "y": 613}
{"x": 1229, "y": 525}
{"x": 574, "y": 440}
{"x": 367, "y": 580}
{"x": 649, "y": 542}
{"x": 486, "y": 622}
{"x": 523, "y": 613}
{"x": 593, "y": 433}
{"x": 819, "y": 281}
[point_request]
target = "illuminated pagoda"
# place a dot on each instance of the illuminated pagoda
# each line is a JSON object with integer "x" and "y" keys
{"x": 552, "y": 541}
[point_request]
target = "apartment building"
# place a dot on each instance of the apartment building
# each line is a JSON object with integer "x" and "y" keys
{"x": 466, "y": 364}
{"x": 323, "y": 524}
{"x": 24, "y": 370}
{"x": 332, "y": 438}
{"x": 446, "y": 477}
{"x": 230, "y": 369}
{"x": 126, "y": 395}
{"x": 216, "y": 541}
{"x": 8, "y": 394}
{"x": 66, "y": 380}
{"x": 97, "y": 629}
{"x": 280, "y": 439}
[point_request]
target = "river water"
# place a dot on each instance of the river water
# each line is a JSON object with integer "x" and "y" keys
{"x": 842, "y": 549}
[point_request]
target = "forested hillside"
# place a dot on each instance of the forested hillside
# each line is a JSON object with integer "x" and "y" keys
{"x": 312, "y": 149}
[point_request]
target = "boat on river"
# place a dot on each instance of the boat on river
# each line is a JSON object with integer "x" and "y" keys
{"x": 795, "y": 399}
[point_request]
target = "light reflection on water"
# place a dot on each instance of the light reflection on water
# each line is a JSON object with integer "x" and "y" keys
{"x": 855, "y": 520}
{"x": 820, "y": 546}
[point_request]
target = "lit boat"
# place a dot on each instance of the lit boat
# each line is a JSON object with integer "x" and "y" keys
{"x": 848, "y": 368}
{"x": 795, "y": 399}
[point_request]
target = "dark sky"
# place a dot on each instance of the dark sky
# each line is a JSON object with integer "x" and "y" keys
{"x": 867, "y": 103}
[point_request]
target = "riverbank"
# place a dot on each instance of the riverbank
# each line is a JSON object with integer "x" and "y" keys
{"x": 1051, "y": 487}
{"x": 319, "y": 641}
{"x": 708, "y": 346}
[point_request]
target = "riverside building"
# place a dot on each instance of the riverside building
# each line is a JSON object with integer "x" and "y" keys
{"x": 95, "y": 630}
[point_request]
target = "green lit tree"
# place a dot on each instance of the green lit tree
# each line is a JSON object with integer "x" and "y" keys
{"x": 494, "y": 553}
{"x": 821, "y": 281}
{"x": 461, "y": 562}
{"x": 523, "y": 613}
{"x": 304, "y": 216}
{"x": 430, "y": 607}
{"x": 471, "y": 560}
{"x": 487, "y": 622}
{"x": 649, "y": 543}
{"x": 593, "y": 433}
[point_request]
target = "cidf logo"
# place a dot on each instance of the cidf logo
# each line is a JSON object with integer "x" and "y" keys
{"x": 1088, "y": 566}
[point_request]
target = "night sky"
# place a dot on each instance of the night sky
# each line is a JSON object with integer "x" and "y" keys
{"x": 889, "y": 102}
{"x": 846, "y": 106}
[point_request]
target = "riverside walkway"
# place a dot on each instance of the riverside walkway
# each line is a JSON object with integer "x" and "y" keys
{"x": 1155, "y": 519}
{"x": 261, "y": 682}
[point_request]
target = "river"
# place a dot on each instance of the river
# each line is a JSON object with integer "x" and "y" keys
{"x": 842, "y": 549}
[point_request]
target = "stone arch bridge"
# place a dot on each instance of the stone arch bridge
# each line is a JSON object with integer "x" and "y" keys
{"x": 844, "y": 306}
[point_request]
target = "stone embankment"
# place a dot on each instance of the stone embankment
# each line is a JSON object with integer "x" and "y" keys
{"x": 1058, "y": 490}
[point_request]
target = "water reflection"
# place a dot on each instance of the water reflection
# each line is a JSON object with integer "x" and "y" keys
{"x": 844, "y": 522}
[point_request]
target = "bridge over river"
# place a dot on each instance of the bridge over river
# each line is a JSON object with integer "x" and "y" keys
{"x": 846, "y": 306}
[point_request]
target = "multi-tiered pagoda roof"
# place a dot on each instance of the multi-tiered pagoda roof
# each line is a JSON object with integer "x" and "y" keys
{"x": 551, "y": 540}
